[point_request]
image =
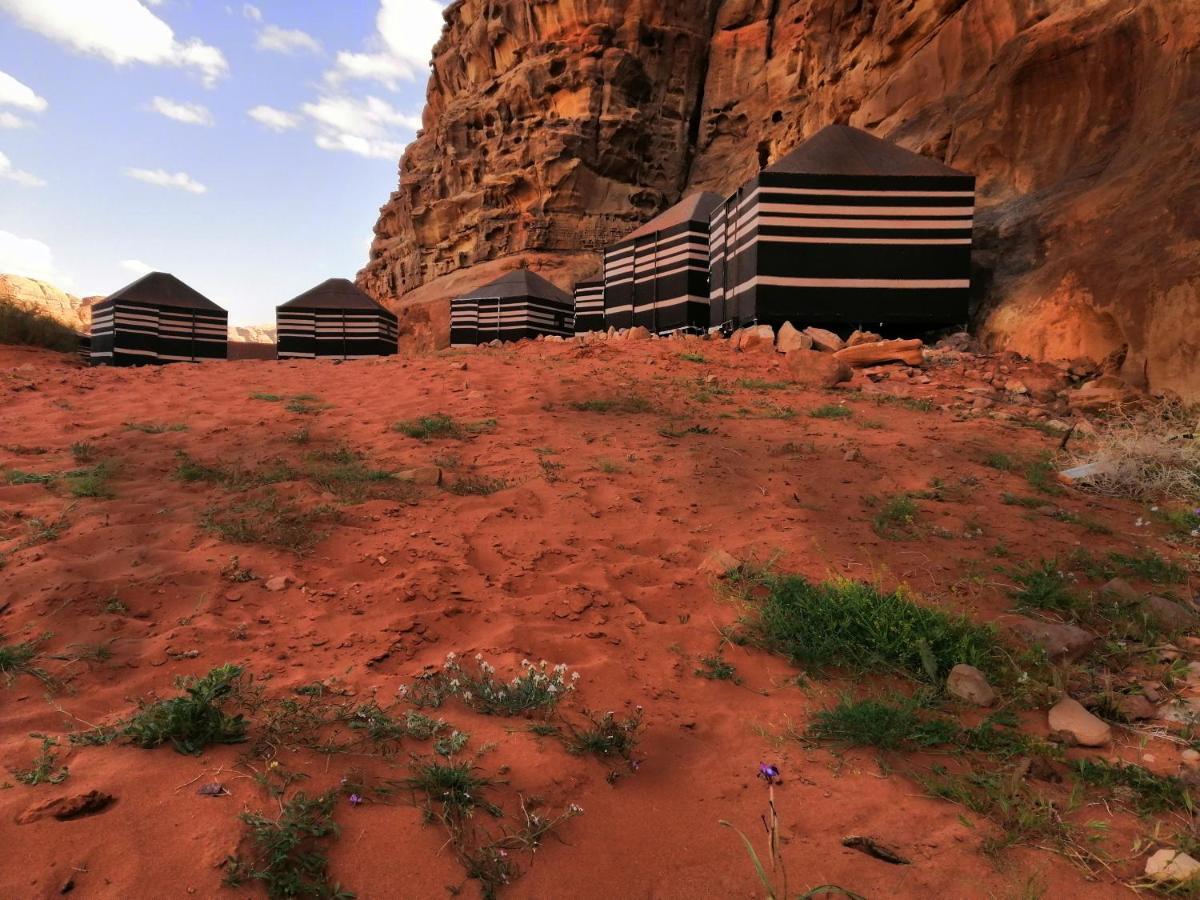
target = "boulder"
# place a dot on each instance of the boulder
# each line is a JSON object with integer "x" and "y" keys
{"x": 1069, "y": 716}
{"x": 790, "y": 339}
{"x": 424, "y": 475}
{"x": 1168, "y": 614}
{"x": 1105, "y": 391}
{"x": 907, "y": 352}
{"x": 278, "y": 583}
{"x": 638, "y": 333}
{"x": 718, "y": 563}
{"x": 752, "y": 338}
{"x": 959, "y": 342}
{"x": 824, "y": 340}
{"x": 66, "y": 808}
{"x": 1171, "y": 865}
{"x": 863, "y": 337}
{"x": 1060, "y": 641}
{"x": 968, "y": 683}
{"x": 812, "y": 368}
{"x": 1136, "y": 708}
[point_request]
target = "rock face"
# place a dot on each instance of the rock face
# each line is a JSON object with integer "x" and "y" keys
{"x": 552, "y": 127}
{"x": 61, "y": 306}
{"x": 253, "y": 334}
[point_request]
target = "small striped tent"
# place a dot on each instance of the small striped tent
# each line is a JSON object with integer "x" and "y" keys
{"x": 845, "y": 230}
{"x": 517, "y": 305}
{"x": 157, "y": 319}
{"x": 589, "y": 305}
{"x": 658, "y": 276}
{"x": 335, "y": 320}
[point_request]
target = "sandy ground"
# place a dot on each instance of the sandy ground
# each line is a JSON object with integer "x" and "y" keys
{"x": 594, "y": 568}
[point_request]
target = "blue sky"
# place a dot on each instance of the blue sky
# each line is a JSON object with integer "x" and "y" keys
{"x": 244, "y": 147}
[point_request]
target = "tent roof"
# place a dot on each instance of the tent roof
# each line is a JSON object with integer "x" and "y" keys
{"x": 694, "y": 208}
{"x": 842, "y": 150}
{"x": 336, "y": 293}
{"x": 519, "y": 283}
{"x": 162, "y": 289}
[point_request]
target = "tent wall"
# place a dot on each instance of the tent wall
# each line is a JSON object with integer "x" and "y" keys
{"x": 125, "y": 333}
{"x": 618, "y": 286}
{"x": 659, "y": 280}
{"x": 464, "y": 322}
{"x": 589, "y": 306}
{"x": 480, "y": 320}
{"x": 849, "y": 250}
{"x": 335, "y": 333}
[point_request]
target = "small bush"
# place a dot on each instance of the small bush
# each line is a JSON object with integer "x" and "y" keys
{"x": 440, "y": 426}
{"x": 16, "y": 476}
{"x": 1148, "y": 457}
{"x": 831, "y": 411}
{"x": 266, "y": 398}
{"x": 693, "y": 357}
{"x": 607, "y": 735}
{"x": 269, "y": 520}
{"x": 83, "y": 452}
{"x": 20, "y": 659}
{"x": 856, "y": 625}
{"x": 896, "y": 519}
{"x": 715, "y": 668}
{"x": 1001, "y": 461}
{"x": 43, "y": 770}
{"x": 886, "y": 726}
{"x": 537, "y": 687}
{"x": 452, "y": 790}
{"x": 34, "y": 328}
{"x": 626, "y": 403}
{"x": 1046, "y": 586}
{"x": 286, "y": 855}
{"x": 90, "y": 482}
{"x": 1147, "y": 793}
{"x": 195, "y": 720}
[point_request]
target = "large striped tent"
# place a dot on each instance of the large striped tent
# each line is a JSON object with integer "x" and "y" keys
{"x": 335, "y": 320}
{"x": 658, "y": 276}
{"x": 520, "y": 304}
{"x": 157, "y": 319}
{"x": 589, "y": 305}
{"x": 846, "y": 230}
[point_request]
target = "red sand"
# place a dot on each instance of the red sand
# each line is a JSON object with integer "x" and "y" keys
{"x": 598, "y": 570}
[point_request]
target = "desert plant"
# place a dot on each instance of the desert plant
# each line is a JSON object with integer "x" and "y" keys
{"x": 20, "y": 659}
{"x": 43, "y": 770}
{"x": 33, "y": 327}
{"x": 537, "y": 687}
{"x": 832, "y": 411}
{"x": 606, "y": 735}
{"x": 90, "y": 482}
{"x": 1148, "y": 455}
{"x": 896, "y": 518}
{"x": 286, "y": 855}
{"x": 269, "y": 520}
{"x": 155, "y": 427}
{"x": 194, "y": 720}
{"x": 441, "y": 426}
{"x": 476, "y": 485}
{"x": 858, "y": 625}
{"x": 626, "y": 402}
{"x": 886, "y": 726}
{"x": 715, "y": 668}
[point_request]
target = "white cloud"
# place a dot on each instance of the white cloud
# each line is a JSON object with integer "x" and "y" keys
{"x": 11, "y": 120}
{"x": 275, "y": 119}
{"x": 370, "y": 127}
{"x": 14, "y": 93}
{"x": 187, "y": 113}
{"x": 136, "y": 266}
{"x": 406, "y": 31}
{"x": 30, "y": 258}
{"x": 121, "y": 31}
{"x": 252, "y": 12}
{"x": 9, "y": 173}
{"x": 286, "y": 40}
{"x": 161, "y": 178}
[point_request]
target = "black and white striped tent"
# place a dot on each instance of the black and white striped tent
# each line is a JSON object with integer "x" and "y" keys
{"x": 658, "y": 276}
{"x": 517, "y": 305}
{"x": 589, "y": 305}
{"x": 335, "y": 320}
{"x": 847, "y": 229}
{"x": 157, "y": 319}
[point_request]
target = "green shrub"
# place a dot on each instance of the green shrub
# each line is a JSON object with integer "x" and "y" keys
{"x": 35, "y": 328}
{"x": 195, "y": 720}
{"x": 857, "y": 625}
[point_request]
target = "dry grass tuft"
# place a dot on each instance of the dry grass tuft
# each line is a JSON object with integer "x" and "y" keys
{"x": 1149, "y": 456}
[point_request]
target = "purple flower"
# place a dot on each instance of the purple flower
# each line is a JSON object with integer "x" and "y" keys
{"x": 355, "y": 799}
{"x": 768, "y": 772}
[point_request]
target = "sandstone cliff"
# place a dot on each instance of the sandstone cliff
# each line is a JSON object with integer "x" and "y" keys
{"x": 28, "y": 293}
{"x": 553, "y": 126}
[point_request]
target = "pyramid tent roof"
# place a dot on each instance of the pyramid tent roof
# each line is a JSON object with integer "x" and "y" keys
{"x": 336, "y": 293}
{"x": 163, "y": 289}
{"x": 843, "y": 150}
{"x": 697, "y": 207}
{"x": 520, "y": 283}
